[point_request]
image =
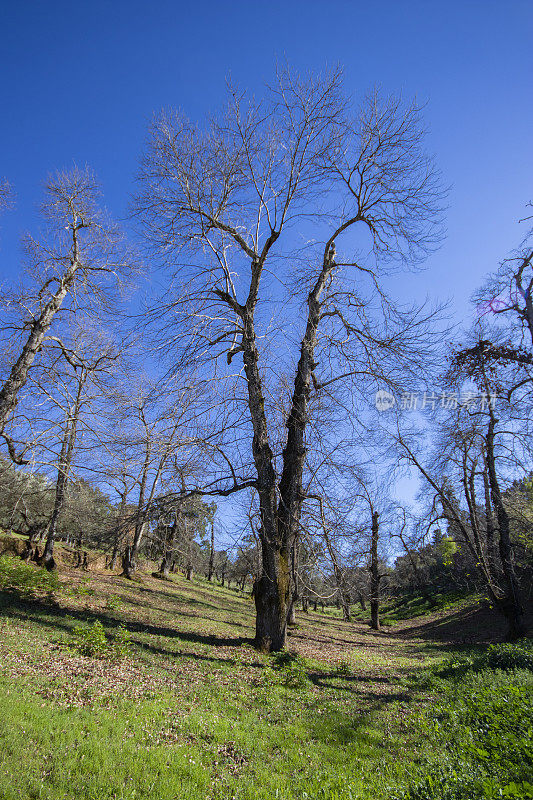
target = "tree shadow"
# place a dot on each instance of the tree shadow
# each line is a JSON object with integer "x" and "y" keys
{"x": 57, "y": 617}
{"x": 469, "y": 625}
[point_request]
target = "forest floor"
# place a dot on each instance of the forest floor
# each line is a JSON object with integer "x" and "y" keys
{"x": 182, "y": 706}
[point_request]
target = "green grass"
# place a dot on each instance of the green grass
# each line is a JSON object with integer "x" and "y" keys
{"x": 191, "y": 710}
{"x": 394, "y": 610}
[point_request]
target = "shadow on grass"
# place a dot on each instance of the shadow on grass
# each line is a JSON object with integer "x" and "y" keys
{"x": 51, "y": 615}
{"x": 469, "y": 625}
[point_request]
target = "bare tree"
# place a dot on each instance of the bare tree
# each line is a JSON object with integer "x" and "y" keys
{"x": 257, "y": 216}
{"x": 468, "y": 466}
{"x": 75, "y": 377}
{"x": 80, "y": 255}
{"x": 162, "y": 430}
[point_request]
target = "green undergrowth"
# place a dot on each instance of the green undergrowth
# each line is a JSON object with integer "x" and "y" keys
{"x": 92, "y": 641}
{"x": 190, "y": 711}
{"x": 407, "y": 607}
{"x": 481, "y": 721}
{"x": 26, "y": 579}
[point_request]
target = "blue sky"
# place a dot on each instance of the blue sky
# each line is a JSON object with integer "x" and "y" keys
{"x": 79, "y": 82}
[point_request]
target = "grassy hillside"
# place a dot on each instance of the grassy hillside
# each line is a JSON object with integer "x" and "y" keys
{"x": 114, "y": 689}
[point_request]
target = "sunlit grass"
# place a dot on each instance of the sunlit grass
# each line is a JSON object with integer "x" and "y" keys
{"x": 193, "y": 711}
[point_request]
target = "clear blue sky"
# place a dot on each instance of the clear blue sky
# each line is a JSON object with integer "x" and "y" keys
{"x": 80, "y": 80}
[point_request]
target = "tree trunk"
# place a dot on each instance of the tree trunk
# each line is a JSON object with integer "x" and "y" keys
{"x": 168, "y": 556}
{"x": 280, "y": 506}
{"x": 271, "y": 600}
{"x": 65, "y": 460}
{"x": 114, "y": 558}
{"x": 128, "y": 563}
{"x": 362, "y": 601}
{"x": 211, "y": 567}
{"x": 345, "y": 600}
{"x": 189, "y": 572}
{"x": 38, "y": 330}
{"x": 305, "y": 605}
{"x": 510, "y": 605}
{"x": 291, "y": 615}
{"x": 164, "y": 569}
{"x": 374, "y": 574}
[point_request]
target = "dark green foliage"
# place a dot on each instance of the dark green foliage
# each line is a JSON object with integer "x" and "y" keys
{"x": 482, "y": 727}
{"x": 26, "y": 579}
{"x": 92, "y": 641}
{"x": 286, "y": 669}
{"x": 516, "y": 655}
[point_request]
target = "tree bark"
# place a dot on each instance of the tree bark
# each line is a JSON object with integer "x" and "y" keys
{"x": 280, "y": 519}
{"x": 38, "y": 330}
{"x": 511, "y": 604}
{"x": 65, "y": 460}
{"x": 168, "y": 556}
{"x": 374, "y": 574}
{"x": 211, "y": 567}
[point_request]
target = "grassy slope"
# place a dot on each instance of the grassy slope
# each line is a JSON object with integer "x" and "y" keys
{"x": 194, "y": 711}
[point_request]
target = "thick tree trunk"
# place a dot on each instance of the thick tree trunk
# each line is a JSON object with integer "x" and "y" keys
{"x": 305, "y": 605}
{"x": 189, "y": 572}
{"x": 280, "y": 506}
{"x": 272, "y": 600}
{"x": 374, "y": 574}
{"x": 345, "y": 605}
{"x": 129, "y": 566}
{"x": 164, "y": 569}
{"x": 168, "y": 555}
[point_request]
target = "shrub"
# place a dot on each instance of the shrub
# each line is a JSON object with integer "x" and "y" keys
{"x": 482, "y": 726}
{"x": 343, "y": 668}
{"x": 26, "y": 579}
{"x": 285, "y": 669}
{"x": 518, "y": 655}
{"x": 92, "y": 641}
{"x": 289, "y": 670}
